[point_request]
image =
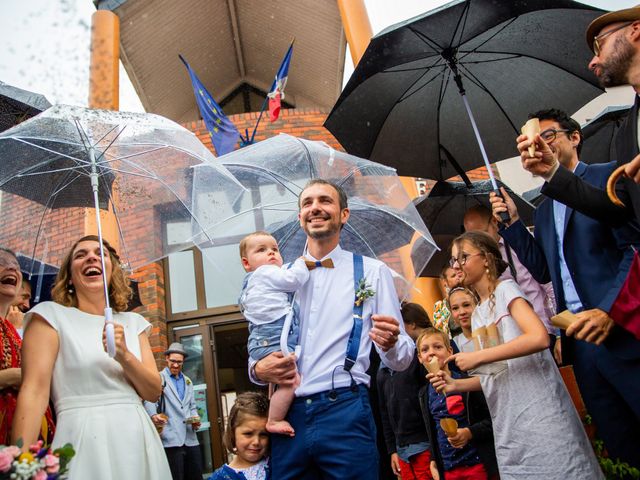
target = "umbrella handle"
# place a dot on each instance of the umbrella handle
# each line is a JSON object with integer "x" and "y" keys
{"x": 504, "y": 216}
{"x": 111, "y": 338}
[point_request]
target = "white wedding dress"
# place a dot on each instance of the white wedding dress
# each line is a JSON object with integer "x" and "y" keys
{"x": 98, "y": 412}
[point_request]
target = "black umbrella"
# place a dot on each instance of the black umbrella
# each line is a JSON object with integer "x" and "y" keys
{"x": 16, "y": 105}
{"x": 534, "y": 196}
{"x": 443, "y": 212}
{"x": 598, "y": 145}
{"x": 444, "y": 208}
{"x": 405, "y": 104}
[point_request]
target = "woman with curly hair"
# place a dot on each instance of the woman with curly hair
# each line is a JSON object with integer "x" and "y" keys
{"x": 96, "y": 398}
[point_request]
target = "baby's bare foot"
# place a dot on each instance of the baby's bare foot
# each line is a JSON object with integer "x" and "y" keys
{"x": 282, "y": 427}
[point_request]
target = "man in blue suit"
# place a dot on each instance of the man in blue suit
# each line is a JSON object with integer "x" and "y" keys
{"x": 180, "y": 421}
{"x": 587, "y": 262}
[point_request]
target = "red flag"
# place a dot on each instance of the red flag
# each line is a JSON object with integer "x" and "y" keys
{"x": 276, "y": 94}
{"x": 275, "y": 103}
{"x": 625, "y": 310}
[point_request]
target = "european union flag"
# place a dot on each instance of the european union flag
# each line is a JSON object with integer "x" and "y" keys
{"x": 224, "y": 135}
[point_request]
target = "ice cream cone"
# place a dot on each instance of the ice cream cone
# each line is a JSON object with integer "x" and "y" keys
{"x": 433, "y": 366}
{"x": 449, "y": 426}
{"x": 530, "y": 129}
{"x": 563, "y": 319}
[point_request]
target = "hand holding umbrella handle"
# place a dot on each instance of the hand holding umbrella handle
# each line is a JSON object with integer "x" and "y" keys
{"x": 111, "y": 339}
{"x": 504, "y": 216}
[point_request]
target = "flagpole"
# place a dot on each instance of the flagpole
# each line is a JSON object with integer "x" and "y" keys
{"x": 264, "y": 104}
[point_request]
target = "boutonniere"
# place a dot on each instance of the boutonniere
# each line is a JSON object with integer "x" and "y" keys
{"x": 188, "y": 381}
{"x": 363, "y": 292}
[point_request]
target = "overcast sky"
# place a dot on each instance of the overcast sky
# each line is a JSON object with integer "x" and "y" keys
{"x": 46, "y": 44}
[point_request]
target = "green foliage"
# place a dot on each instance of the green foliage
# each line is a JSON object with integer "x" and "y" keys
{"x": 614, "y": 469}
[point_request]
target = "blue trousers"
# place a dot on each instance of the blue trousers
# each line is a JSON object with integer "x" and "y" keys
{"x": 610, "y": 387}
{"x": 335, "y": 439}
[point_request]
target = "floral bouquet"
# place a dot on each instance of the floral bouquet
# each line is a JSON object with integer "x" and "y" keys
{"x": 39, "y": 463}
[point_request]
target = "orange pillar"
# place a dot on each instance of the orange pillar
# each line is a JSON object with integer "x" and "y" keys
{"x": 105, "y": 57}
{"x": 357, "y": 27}
{"x": 358, "y": 31}
{"x": 104, "y": 89}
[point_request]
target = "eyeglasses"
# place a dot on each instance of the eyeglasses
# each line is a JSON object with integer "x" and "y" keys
{"x": 597, "y": 45}
{"x": 176, "y": 362}
{"x": 550, "y": 134}
{"x": 462, "y": 259}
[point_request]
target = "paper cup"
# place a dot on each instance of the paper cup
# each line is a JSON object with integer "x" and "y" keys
{"x": 493, "y": 335}
{"x": 479, "y": 336}
{"x": 563, "y": 319}
{"x": 449, "y": 426}
{"x": 530, "y": 129}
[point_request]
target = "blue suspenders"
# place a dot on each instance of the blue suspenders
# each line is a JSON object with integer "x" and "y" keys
{"x": 353, "y": 345}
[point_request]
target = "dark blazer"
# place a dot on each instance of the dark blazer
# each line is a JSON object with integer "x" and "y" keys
{"x": 598, "y": 256}
{"x": 592, "y": 200}
{"x": 399, "y": 406}
{"x": 479, "y": 420}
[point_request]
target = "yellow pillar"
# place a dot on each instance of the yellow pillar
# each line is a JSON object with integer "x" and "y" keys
{"x": 104, "y": 89}
{"x": 357, "y": 27}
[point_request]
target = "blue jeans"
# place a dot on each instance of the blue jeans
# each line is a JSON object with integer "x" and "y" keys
{"x": 335, "y": 439}
{"x": 265, "y": 339}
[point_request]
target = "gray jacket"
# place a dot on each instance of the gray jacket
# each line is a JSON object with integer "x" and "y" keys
{"x": 176, "y": 433}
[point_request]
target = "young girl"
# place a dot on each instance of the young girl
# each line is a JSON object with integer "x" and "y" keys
{"x": 462, "y": 302}
{"x": 450, "y": 277}
{"x": 468, "y": 453}
{"x": 537, "y": 430}
{"x": 246, "y": 437}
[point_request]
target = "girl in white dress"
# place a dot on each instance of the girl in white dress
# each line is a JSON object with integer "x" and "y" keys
{"x": 537, "y": 431}
{"x": 97, "y": 399}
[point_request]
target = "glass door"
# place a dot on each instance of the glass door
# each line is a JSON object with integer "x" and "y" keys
{"x": 198, "y": 367}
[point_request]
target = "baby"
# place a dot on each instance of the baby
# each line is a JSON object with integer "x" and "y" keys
{"x": 266, "y": 302}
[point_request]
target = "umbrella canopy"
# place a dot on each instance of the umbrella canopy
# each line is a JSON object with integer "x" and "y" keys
{"x": 409, "y": 100}
{"x": 443, "y": 212}
{"x": 599, "y": 132}
{"x": 17, "y": 105}
{"x": 444, "y": 208}
{"x": 137, "y": 165}
{"x": 142, "y": 165}
{"x": 274, "y": 173}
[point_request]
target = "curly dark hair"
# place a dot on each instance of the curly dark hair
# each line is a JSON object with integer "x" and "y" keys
{"x": 119, "y": 288}
{"x": 247, "y": 403}
{"x": 563, "y": 119}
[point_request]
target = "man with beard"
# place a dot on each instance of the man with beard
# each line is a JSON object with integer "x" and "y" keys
{"x": 615, "y": 40}
{"x": 587, "y": 262}
{"x": 335, "y": 431}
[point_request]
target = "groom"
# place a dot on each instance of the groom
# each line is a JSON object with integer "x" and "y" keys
{"x": 331, "y": 415}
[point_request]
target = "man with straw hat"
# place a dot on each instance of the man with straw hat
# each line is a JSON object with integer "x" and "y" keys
{"x": 176, "y": 417}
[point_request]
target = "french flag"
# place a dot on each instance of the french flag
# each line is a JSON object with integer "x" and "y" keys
{"x": 276, "y": 94}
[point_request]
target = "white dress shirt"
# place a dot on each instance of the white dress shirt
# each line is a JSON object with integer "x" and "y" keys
{"x": 326, "y": 320}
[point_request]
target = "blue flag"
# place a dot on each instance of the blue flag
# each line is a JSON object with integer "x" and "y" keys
{"x": 224, "y": 134}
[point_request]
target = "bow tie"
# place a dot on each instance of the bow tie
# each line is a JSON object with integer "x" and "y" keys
{"x": 326, "y": 263}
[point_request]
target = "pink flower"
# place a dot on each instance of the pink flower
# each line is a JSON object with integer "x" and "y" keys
{"x": 6, "y": 459}
{"x": 39, "y": 475}
{"x": 51, "y": 463}
{"x": 13, "y": 450}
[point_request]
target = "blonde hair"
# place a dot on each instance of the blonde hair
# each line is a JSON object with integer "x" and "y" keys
{"x": 430, "y": 332}
{"x": 119, "y": 289}
{"x": 469, "y": 292}
{"x": 247, "y": 403}
{"x": 243, "y": 243}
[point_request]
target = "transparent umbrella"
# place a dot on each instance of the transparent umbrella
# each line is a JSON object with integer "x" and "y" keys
{"x": 383, "y": 219}
{"x": 136, "y": 166}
